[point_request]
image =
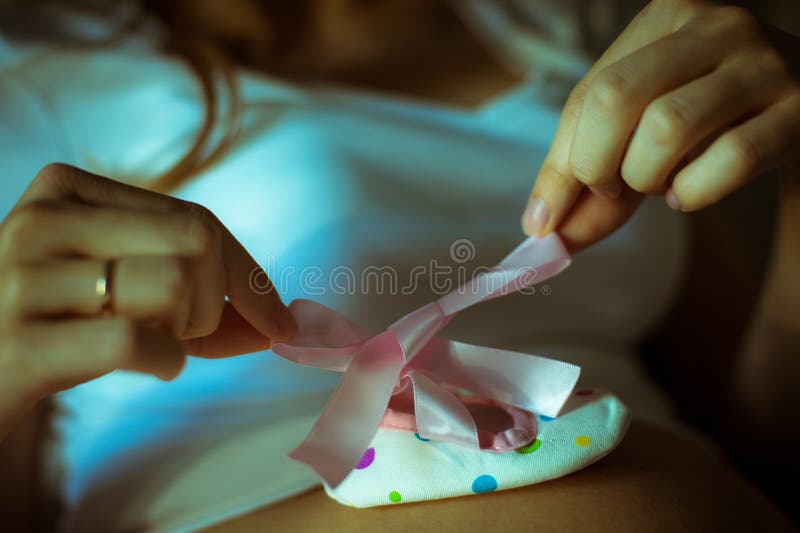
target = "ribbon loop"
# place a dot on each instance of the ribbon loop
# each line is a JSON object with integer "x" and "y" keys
{"x": 439, "y": 414}
{"x": 380, "y": 367}
{"x": 354, "y": 412}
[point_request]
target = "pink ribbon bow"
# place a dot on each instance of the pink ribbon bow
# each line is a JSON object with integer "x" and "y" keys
{"x": 407, "y": 361}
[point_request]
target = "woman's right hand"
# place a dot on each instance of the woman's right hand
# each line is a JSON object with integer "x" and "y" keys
{"x": 693, "y": 100}
{"x": 174, "y": 264}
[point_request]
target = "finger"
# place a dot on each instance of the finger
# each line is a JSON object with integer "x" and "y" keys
{"x": 759, "y": 144}
{"x": 52, "y": 289}
{"x": 675, "y": 123}
{"x": 155, "y": 289}
{"x": 595, "y": 217}
{"x": 556, "y": 189}
{"x": 261, "y": 305}
{"x": 234, "y": 336}
{"x": 263, "y": 309}
{"x": 40, "y": 231}
{"x": 617, "y": 96}
{"x": 58, "y": 181}
{"x": 554, "y": 193}
{"x": 209, "y": 289}
{"x": 64, "y": 353}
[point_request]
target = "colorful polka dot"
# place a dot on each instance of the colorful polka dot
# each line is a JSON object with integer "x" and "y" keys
{"x": 395, "y": 497}
{"x": 583, "y": 440}
{"x": 530, "y": 448}
{"x": 546, "y": 418}
{"x": 484, "y": 483}
{"x": 421, "y": 438}
{"x": 366, "y": 459}
{"x": 584, "y": 392}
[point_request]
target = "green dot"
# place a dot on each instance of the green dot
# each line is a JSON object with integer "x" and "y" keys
{"x": 530, "y": 448}
{"x": 395, "y": 496}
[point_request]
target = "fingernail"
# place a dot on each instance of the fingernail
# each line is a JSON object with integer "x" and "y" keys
{"x": 610, "y": 192}
{"x": 672, "y": 200}
{"x": 287, "y": 325}
{"x": 536, "y": 216}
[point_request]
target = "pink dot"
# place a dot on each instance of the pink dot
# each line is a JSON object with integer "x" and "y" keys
{"x": 366, "y": 459}
{"x": 584, "y": 392}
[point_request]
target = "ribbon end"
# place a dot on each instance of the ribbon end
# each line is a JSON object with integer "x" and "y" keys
{"x": 330, "y": 471}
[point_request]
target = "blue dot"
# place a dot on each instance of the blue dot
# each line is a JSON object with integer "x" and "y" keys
{"x": 546, "y": 418}
{"x": 484, "y": 483}
{"x": 420, "y": 438}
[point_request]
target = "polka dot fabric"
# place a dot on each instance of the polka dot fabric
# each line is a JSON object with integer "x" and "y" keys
{"x": 400, "y": 467}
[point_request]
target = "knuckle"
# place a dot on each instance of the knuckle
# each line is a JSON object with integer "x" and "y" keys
{"x": 744, "y": 151}
{"x": 667, "y": 121}
{"x": 690, "y": 8}
{"x": 670, "y": 6}
{"x": 608, "y": 92}
{"x": 202, "y": 228}
{"x": 54, "y": 174}
{"x": 661, "y": 4}
{"x": 658, "y": 6}
{"x": 175, "y": 279}
{"x": 554, "y": 174}
{"x": 639, "y": 182}
{"x": 21, "y": 224}
{"x": 15, "y": 283}
{"x": 584, "y": 170}
{"x": 793, "y": 96}
{"x": 739, "y": 19}
{"x": 17, "y": 226}
{"x": 576, "y": 96}
{"x": 675, "y": 11}
{"x": 772, "y": 64}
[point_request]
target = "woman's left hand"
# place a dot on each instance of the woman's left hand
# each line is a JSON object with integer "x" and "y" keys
{"x": 691, "y": 101}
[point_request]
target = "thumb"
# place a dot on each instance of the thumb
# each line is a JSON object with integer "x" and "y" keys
{"x": 556, "y": 189}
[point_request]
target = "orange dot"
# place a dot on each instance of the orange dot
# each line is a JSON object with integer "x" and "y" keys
{"x": 583, "y": 440}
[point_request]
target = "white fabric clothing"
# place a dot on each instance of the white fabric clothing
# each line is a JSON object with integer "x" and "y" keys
{"x": 322, "y": 179}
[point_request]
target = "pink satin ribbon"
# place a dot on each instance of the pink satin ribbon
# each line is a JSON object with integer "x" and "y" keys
{"x": 407, "y": 360}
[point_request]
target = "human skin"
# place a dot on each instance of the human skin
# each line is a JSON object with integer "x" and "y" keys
{"x": 655, "y": 480}
{"x": 692, "y": 101}
{"x": 174, "y": 265}
{"x": 680, "y": 490}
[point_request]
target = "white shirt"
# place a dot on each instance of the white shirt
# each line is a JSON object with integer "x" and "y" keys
{"x": 322, "y": 179}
